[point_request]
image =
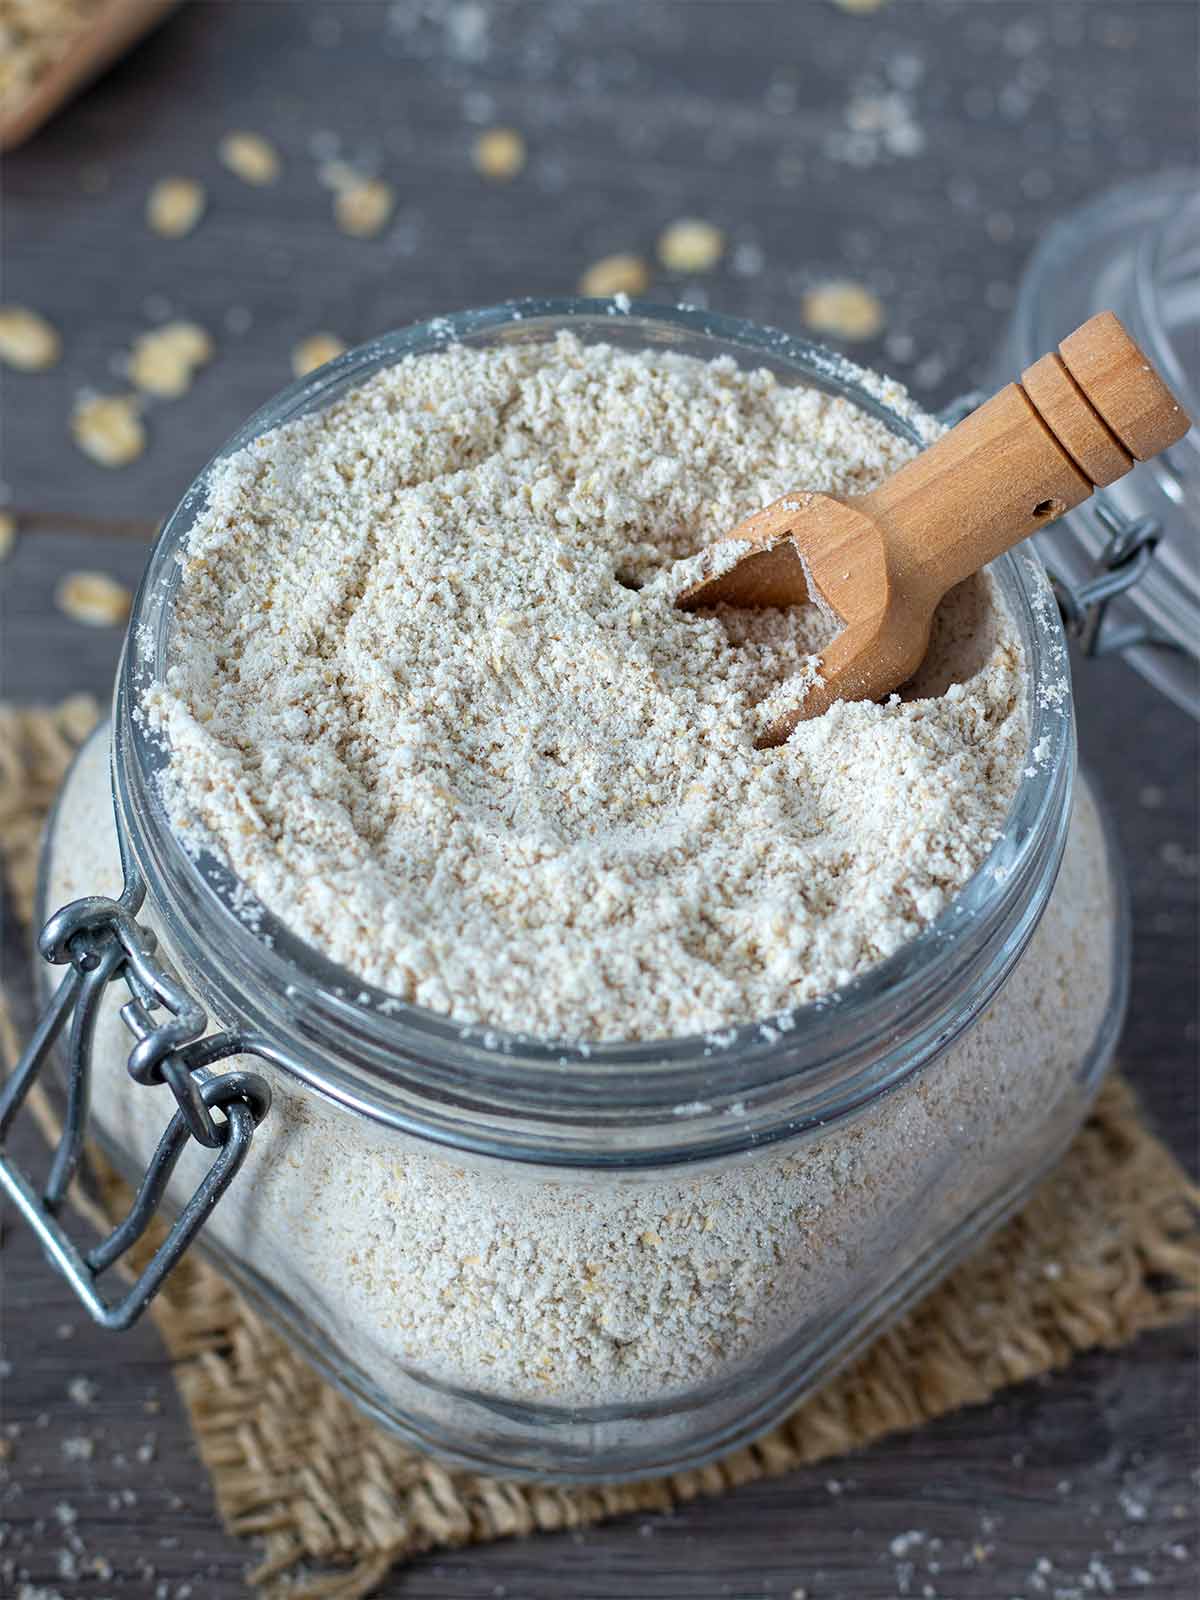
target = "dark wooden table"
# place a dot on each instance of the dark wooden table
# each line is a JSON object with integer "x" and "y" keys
{"x": 635, "y": 114}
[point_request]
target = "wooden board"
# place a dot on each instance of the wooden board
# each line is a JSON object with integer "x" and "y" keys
{"x": 634, "y": 115}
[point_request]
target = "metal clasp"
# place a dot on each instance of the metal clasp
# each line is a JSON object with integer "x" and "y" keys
{"x": 101, "y": 941}
{"x": 1127, "y": 553}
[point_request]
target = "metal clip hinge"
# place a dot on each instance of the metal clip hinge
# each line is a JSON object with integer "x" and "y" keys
{"x": 1084, "y": 607}
{"x": 100, "y": 941}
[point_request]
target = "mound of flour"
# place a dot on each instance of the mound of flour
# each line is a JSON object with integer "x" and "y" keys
{"x": 430, "y": 698}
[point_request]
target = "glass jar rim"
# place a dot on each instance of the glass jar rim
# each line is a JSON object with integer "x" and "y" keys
{"x": 419, "y": 1070}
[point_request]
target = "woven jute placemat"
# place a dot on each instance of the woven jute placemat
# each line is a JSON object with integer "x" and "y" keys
{"x": 1107, "y": 1247}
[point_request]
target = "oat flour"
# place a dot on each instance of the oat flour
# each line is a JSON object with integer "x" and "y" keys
{"x": 432, "y": 701}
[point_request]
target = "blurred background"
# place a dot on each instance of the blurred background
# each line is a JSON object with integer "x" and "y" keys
{"x": 252, "y": 186}
{"x": 908, "y": 153}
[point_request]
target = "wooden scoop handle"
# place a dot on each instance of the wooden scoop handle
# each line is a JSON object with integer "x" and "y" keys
{"x": 1077, "y": 420}
{"x": 880, "y": 562}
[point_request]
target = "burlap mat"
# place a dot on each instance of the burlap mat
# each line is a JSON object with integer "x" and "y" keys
{"x": 1108, "y": 1246}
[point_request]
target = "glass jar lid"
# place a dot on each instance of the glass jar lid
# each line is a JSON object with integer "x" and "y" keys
{"x": 1135, "y": 250}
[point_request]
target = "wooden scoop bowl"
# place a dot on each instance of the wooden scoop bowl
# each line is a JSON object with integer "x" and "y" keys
{"x": 881, "y": 562}
{"x": 114, "y": 27}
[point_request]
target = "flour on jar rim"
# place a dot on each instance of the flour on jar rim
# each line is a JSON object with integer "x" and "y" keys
{"x": 431, "y": 700}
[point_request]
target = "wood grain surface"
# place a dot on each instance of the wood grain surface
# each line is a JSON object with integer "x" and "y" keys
{"x": 919, "y": 151}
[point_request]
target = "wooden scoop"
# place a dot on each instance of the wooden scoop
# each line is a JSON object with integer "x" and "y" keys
{"x": 115, "y": 26}
{"x": 881, "y": 562}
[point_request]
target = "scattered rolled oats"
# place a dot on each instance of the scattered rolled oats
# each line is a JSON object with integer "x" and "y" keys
{"x": 175, "y": 206}
{"x": 192, "y": 341}
{"x": 27, "y": 340}
{"x": 844, "y": 309}
{"x": 691, "y": 245}
{"x": 8, "y": 534}
{"x": 861, "y": 7}
{"x": 499, "y": 154}
{"x": 315, "y": 351}
{"x": 94, "y": 598}
{"x": 619, "y": 274}
{"x": 364, "y": 207}
{"x": 250, "y": 157}
{"x": 164, "y": 361}
{"x": 107, "y": 427}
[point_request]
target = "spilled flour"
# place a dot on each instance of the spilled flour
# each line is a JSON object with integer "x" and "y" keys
{"x": 430, "y": 698}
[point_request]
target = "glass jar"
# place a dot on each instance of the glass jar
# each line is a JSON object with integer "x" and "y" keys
{"x": 588, "y": 1263}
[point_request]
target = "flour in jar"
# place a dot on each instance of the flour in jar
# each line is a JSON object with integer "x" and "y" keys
{"x": 430, "y": 698}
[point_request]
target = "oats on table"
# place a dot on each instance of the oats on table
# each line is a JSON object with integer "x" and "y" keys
{"x": 164, "y": 361}
{"x": 616, "y": 274}
{"x": 250, "y": 157}
{"x": 315, "y": 351}
{"x": 362, "y": 208}
{"x": 27, "y": 341}
{"x": 691, "y": 245}
{"x": 844, "y": 309}
{"x": 94, "y": 598}
{"x": 174, "y": 206}
{"x": 109, "y": 429}
{"x": 499, "y": 154}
